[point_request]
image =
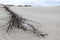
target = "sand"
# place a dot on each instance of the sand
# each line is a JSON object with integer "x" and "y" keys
{"x": 49, "y": 17}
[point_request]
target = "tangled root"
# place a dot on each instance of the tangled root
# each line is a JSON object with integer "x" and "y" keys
{"x": 18, "y": 21}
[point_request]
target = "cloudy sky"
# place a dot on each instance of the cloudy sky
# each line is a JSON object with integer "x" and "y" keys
{"x": 32, "y": 2}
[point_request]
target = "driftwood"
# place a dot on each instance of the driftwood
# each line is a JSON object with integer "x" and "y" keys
{"x": 18, "y": 21}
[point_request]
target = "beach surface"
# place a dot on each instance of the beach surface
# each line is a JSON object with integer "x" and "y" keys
{"x": 49, "y": 17}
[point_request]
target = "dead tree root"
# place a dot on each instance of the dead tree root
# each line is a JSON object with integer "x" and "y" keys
{"x": 18, "y": 22}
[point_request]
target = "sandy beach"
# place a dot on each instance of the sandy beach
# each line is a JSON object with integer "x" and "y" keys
{"x": 49, "y": 17}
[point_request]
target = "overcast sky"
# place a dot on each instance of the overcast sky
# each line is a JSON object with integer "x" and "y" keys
{"x": 32, "y": 2}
